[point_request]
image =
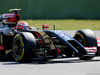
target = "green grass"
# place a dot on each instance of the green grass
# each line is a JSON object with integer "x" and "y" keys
{"x": 66, "y": 24}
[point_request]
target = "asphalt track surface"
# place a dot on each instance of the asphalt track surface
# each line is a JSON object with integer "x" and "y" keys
{"x": 65, "y": 66}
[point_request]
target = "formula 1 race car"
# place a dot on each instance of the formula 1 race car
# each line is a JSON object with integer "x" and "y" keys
{"x": 25, "y": 43}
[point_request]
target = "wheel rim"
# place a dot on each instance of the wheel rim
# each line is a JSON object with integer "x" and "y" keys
{"x": 80, "y": 39}
{"x": 17, "y": 49}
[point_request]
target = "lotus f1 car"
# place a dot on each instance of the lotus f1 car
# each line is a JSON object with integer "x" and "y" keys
{"x": 24, "y": 43}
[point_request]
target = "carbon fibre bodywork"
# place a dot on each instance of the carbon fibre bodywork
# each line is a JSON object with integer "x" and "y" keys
{"x": 56, "y": 39}
{"x": 50, "y": 43}
{"x": 67, "y": 40}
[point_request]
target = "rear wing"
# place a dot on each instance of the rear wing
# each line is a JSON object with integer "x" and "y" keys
{"x": 15, "y": 10}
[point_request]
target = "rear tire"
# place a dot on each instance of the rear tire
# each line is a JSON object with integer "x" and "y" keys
{"x": 87, "y": 38}
{"x": 22, "y": 46}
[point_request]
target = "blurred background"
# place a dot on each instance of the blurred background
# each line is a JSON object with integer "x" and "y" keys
{"x": 54, "y": 9}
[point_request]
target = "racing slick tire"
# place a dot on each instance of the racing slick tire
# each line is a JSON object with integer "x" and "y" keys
{"x": 87, "y": 38}
{"x": 22, "y": 46}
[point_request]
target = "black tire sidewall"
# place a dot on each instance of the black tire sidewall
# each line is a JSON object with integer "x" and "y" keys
{"x": 88, "y": 36}
{"x": 29, "y": 43}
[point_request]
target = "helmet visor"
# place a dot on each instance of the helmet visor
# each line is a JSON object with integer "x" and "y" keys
{"x": 25, "y": 27}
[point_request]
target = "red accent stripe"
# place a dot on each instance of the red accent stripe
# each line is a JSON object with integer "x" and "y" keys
{"x": 98, "y": 38}
{"x": 91, "y": 49}
{"x": 98, "y": 41}
{"x": 39, "y": 37}
{"x": 1, "y": 48}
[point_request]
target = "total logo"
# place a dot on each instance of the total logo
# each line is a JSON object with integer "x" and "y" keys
{"x": 67, "y": 38}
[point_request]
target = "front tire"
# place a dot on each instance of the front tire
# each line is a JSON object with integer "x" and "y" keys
{"x": 87, "y": 38}
{"x": 22, "y": 46}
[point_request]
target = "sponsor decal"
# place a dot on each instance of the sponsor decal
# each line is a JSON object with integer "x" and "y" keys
{"x": 62, "y": 35}
{"x": 1, "y": 48}
{"x": 91, "y": 49}
{"x": 9, "y": 15}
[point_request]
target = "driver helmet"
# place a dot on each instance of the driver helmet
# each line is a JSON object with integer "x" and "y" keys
{"x": 22, "y": 26}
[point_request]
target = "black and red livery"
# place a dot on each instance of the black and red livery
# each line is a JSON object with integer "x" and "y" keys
{"x": 26, "y": 43}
